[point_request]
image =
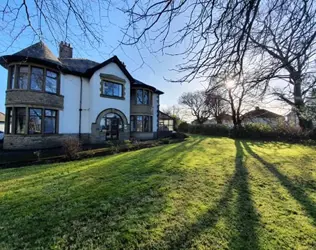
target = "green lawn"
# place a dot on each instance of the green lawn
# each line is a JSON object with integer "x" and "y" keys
{"x": 204, "y": 193}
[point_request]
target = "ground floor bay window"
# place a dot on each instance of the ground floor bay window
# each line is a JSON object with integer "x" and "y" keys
{"x": 32, "y": 121}
{"x": 141, "y": 123}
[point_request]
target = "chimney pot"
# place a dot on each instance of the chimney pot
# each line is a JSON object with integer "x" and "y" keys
{"x": 65, "y": 50}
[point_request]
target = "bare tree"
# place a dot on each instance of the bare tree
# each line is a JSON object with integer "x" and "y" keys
{"x": 218, "y": 106}
{"x": 276, "y": 36}
{"x": 195, "y": 102}
{"x": 237, "y": 94}
{"x": 58, "y": 20}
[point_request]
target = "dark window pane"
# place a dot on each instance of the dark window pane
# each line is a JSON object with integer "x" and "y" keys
{"x": 37, "y": 78}
{"x": 112, "y": 89}
{"x": 9, "y": 122}
{"x": 12, "y": 76}
{"x": 50, "y": 121}
{"x": 50, "y": 125}
{"x": 133, "y": 127}
{"x": 23, "y": 76}
{"x": 146, "y": 123}
{"x": 20, "y": 121}
{"x": 35, "y": 121}
{"x": 49, "y": 112}
{"x": 51, "y": 82}
{"x": 139, "y": 96}
{"x": 146, "y": 97}
{"x": 139, "y": 124}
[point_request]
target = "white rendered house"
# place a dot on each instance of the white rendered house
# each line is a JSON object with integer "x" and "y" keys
{"x": 48, "y": 98}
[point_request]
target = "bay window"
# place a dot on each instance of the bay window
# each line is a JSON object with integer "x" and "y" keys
{"x": 142, "y": 97}
{"x": 141, "y": 123}
{"x": 31, "y": 121}
{"x": 33, "y": 78}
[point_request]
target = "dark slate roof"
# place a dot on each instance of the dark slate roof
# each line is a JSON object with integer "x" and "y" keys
{"x": 2, "y": 117}
{"x": 40, "y": 51}
{"x": 164, "y": 116}
{"x": 80, "y": 65}
{"x": 141, "y": 84}
{"x": 261, "y": 113}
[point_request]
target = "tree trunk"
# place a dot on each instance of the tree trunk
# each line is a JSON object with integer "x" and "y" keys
{"x": 218, "y": 120}
{"x": 304, "y": 123}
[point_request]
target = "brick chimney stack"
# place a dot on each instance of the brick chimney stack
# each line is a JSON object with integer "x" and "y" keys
{"x": 65, "y": 50}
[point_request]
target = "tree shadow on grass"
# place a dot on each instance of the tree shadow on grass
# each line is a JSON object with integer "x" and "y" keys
{"x": 105, "y": 202}
{"x": 297, "y": 192}
{"x": 246, "y": 217}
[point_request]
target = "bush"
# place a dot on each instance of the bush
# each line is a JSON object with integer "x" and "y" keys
{"x": 183, "y": 127}
{"x": 256, "y": 131}
{"x": 71, "y": 147}
{"x": 179, "y": 135}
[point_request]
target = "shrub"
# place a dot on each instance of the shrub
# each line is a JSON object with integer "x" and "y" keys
{"x": 179, "y": 135}
{"x": 183, "y": 127}
{"x": 71, "y": 147}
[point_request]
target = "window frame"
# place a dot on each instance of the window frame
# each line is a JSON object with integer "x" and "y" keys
{"x": 15, "y": 85}
{"x": 15, "y": 117}
{"x": 29, "y": 120}
{"x": 50, "y": 116}
{"x": 149, "y": 97}
{"x": 133, "y": 123}
{"x": 104, "y": 81}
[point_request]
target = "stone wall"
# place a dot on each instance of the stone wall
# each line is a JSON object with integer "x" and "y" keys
{"x": 144, "y": 135}
{"x": 27, "y": 97}
{"x": 21, "y": 142}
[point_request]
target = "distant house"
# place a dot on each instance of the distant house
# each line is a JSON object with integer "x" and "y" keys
{"x": 2, "y": 121}
{"x": 292, "y": 119}
{"x": 166, "y": 122}
{"x": 262, "y": 116}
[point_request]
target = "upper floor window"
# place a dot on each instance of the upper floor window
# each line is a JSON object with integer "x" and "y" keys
{"x": 112, "y": 89}
{"x": 37, "y": 78}
{"x": 11, "y": 77}
{"x": 142, "y": 96}
{"x": 33, "y": 78}
{"x": 51, "y": 81}
{"x": 23, "y": 77}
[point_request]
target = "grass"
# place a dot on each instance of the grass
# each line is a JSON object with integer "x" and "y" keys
{"x": 204, "y": 193}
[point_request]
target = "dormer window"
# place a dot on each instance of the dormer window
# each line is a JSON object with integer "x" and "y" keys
{"x": 33, "y": 78}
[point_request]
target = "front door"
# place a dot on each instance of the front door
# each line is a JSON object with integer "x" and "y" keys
{"x": 112, "y": 128}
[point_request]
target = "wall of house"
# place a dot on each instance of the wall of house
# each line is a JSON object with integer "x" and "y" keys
{"x": 98, "y": 103}
{"x": 155, "y": 112}
{"x": 69, "y": 116}
{"x": 2, "y": 126}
